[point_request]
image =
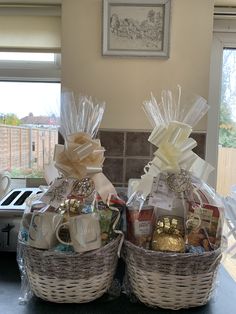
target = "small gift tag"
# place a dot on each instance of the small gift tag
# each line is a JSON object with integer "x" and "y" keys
{"x": 161, "y": 196}
{"x": 57, "y": 192}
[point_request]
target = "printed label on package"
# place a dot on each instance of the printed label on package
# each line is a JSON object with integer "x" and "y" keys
{"x": 57, "y": 192}
{"x": 142, "y": 228}
{"x": 161, "y": 196}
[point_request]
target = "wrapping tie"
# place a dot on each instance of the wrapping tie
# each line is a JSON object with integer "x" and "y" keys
{"x": 83, "y": 156}
{"x": 173, "y": 154}
{"x": 174, "y": 146}
{"x": 80, "y": 156}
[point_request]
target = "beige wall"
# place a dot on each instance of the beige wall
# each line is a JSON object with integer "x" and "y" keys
{"x": 124, "y": 83}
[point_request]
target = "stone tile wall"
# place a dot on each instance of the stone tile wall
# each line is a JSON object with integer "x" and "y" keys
{"x": 127, "y": 152}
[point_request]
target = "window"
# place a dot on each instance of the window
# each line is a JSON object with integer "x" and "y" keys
{"x": 29, "y": 111}
{"x": 221, "y": 129}
{"x": 223, "y": 71}
{"x": 30, "y": 43}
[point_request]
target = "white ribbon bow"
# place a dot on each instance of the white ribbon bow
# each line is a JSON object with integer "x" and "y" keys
{"x": 173, "y": 154}
{"x": 83, "y": 156}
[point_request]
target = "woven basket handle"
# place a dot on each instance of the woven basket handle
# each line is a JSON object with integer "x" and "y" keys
{"x": 57, "y": 233}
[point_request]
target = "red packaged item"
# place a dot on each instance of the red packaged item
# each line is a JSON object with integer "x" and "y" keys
{"x": 140, "y": 225}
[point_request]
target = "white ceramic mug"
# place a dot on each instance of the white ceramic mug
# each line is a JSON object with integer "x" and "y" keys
{"x": 5, "y": 182}
{"x": 24, "y": 227}
{"x": 85, "y": 232}
{"x": 42, "y": 230}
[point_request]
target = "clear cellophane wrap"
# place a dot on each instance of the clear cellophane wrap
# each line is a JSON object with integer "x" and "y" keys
{"x": 81, "y": 157}
{"x": 174, "y": 182}
{"x": 80, "y": 187}
{"x": 174, "y": 219}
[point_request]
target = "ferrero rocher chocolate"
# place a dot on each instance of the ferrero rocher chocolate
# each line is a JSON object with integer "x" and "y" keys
{"x": 70, "y": 207}
{"x": 170, "y": 224}
{"x": 168, "y": 243}
{"x": 168, "y": 235}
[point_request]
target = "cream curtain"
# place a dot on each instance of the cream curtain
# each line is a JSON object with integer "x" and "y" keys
{"x": 30, "y": 27}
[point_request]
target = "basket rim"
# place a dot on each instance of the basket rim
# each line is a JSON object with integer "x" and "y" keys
{"x": 130, "y": 245}
{"x": 72, "y": 254}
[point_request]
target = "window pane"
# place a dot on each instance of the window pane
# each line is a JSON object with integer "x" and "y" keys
{"x": 226, "y": 174}
{"x": 29, "y": 120}
{"x": 27, "y": 56}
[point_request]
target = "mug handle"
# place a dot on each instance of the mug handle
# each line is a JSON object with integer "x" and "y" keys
{"x": 57, "y": 233}
{"x": 8, "y": 182}
{"x": 34, "y": 226}
{"x": 56, "y": 220}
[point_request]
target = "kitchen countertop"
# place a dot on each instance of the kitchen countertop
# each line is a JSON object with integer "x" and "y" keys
{"x": 222, "y": 302}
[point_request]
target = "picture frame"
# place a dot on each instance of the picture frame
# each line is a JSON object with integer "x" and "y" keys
{"x": 138, "y": 28}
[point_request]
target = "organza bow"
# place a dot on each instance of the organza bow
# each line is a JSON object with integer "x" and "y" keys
{"x": 80, "y": 156}
{"x": 172, "y": 127}
{"x": 174, "y": 146}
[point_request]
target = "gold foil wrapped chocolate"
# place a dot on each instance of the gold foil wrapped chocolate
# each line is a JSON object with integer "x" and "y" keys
{"x": 168, "y": 243}
{"x": 69, "y": 208}
{"x": 168, "y": 235}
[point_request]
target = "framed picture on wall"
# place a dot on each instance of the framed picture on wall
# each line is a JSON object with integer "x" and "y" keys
{"x": 136, "y": 28}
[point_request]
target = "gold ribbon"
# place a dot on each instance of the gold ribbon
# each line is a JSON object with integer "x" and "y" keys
{"x": 173, "y": 154}
{"x": 80, "y": 156}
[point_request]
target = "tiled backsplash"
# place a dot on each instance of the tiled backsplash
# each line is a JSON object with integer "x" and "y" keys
{"x": 127, "y": 152}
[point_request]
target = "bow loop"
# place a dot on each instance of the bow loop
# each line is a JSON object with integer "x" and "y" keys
{"x": 174, "y": 152}
{"x": 80, "y": 156}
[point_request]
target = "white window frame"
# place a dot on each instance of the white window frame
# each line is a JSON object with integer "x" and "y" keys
{"x": 221, "y": 40}
{"x": 23, "y": 71}
{"x": 26, "y": 71}
{"x": 32, "y": 1}
{"x": 31, "y": 71}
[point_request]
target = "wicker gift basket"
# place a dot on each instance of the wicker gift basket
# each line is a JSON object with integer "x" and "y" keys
{"x": 172, "y": 281}
{"x": 71, "y": 277}
{"x": 69, "y": 240}
{"x": 174, "y": 241}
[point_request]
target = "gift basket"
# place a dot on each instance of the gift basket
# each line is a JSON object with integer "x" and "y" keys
{"x": 174, "y": 240}
{"x": 69, "y": 238}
